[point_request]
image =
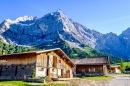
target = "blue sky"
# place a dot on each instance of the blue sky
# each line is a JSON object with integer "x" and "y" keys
{"x": 101, "y": 15}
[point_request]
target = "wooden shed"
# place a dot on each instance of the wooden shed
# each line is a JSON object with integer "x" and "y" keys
{"x": 53, "y": 63}
{"x": 91, "y": 66}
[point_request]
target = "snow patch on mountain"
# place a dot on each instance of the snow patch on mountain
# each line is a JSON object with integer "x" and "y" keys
{"x": 25, "y": 24}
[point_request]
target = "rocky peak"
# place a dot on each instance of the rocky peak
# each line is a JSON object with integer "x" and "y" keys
{"x": 6, "y": 24}
{"x": 111, "y": 34}
{"x": 24, "y": 18}
{"x": 125, "y": 34}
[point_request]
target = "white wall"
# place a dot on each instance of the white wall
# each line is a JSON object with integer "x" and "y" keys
{"x": 117, "y": 70}
{"x": 40, "y": 72}
{"x": 59, "y": 72}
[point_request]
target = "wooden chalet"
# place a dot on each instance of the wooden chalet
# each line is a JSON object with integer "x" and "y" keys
{"x": 115, "y": 69}
{"x": 91, "y": 66}
{"x": 53, "y": 63}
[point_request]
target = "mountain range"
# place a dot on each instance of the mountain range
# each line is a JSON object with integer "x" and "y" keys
{"x": 33, "y": 31}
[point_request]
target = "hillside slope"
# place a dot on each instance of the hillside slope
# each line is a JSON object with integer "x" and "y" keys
{"x": 71, "y": 52}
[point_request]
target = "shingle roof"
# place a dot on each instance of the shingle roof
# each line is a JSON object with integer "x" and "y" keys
{"x": 91, "y": 60}
{"x": 117, "y": 66}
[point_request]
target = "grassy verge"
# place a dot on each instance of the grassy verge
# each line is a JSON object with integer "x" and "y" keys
{"x": 13, "y": 83}
{"x": 22, "y": 83}
{"x": 98, "y": 78}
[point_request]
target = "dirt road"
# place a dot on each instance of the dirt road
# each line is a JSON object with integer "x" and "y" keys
{"x": 120, "y": 80}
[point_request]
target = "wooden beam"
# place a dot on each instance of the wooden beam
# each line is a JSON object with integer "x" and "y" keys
{"x": 69, "y": 61}
{"x": 48, "y": 52}
{"x": 58, "y": 51}
{"x": 64, "y": 59}
{"x": 63, "y": 56}
{"x": 52, "y": 52}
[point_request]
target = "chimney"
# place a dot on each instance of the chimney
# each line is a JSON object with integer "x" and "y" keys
{"x": 3, "y": 52}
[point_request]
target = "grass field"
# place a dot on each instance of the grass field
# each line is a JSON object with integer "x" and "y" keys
{"x": 21, "y": 83}
{"x": 125, "y": 64}
{"x": 98, "y": 78}
{"x": 13, "y": 83}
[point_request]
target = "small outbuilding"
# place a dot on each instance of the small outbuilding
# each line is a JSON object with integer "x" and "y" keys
{"x": 115, "y": 69}
{"x": 91, "y": 66}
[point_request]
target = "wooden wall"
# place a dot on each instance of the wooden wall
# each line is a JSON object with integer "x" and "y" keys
{"x": 18, "y": 65}
{"x": 53, "y": 61}
{"x": 79, "y": 68}
{"x": 42, "y": 61}
{"x": 105, "y": 71}
{"x": 19, "y": 59}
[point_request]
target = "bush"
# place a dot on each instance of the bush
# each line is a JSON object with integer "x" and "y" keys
{"x": 33, "y": 74}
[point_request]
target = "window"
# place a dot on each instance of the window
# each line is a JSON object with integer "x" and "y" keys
{"x": 40, "y": 69}
{"x": 59, "y": 61}
{"x": 12, "y": 66}
{"x": 7, "y": 67}
{"x": 91, "y": 70}
{"x": 110, "y": 71}
{"x": 53, "y": 70}
{"x": 22, "y": 68}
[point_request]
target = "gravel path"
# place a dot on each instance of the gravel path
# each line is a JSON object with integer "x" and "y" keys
{"x": 120, "y": 80}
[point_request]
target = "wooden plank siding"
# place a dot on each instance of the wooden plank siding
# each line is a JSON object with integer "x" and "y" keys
{"x": 18, "y": 65}
{"x": 22, "y": 59}
{"x": 85, "y": 70}
{"x": 54, "y": 63}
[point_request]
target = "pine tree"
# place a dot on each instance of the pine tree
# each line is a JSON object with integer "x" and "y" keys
{"x": 121, "y": 63}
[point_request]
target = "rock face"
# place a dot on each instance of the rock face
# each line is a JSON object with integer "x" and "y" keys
{"x": 35, "y": 31}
